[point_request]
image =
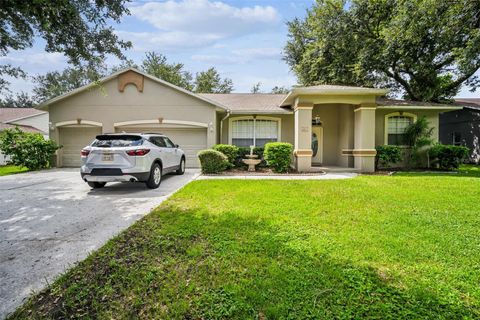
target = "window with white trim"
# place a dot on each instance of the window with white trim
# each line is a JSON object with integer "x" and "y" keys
{"x": 396, "y": 126}
{"x": 254, "y": 132}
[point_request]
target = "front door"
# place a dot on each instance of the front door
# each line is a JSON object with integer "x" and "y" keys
{"x": 317, "y": 144}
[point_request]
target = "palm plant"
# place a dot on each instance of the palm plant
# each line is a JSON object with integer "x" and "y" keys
{"x": 418, "y": 135}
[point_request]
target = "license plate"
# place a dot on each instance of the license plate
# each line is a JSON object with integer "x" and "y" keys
{"x": 107, "y": 157}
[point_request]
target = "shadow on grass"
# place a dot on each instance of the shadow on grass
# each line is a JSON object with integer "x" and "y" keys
{"x": 196, "y": 265}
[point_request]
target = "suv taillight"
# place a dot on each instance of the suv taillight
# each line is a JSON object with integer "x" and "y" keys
{"x": 138, "y": 152}
{"x": 84, "y": 153}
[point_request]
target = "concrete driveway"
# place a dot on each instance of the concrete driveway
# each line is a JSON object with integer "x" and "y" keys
{"x": 51, "y": 219}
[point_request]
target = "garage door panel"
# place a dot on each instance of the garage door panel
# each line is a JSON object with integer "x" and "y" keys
{"x": 73, "y": 140}
{"x": 190, "y": 140}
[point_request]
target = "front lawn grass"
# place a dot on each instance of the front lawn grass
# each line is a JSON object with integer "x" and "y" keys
{"x": 375, "y": 247}
{"x": 465, "y": 170}
{"x": 9, "y": 169}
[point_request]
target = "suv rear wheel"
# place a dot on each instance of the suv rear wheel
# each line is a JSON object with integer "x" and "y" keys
{"x": 155, "y": 178}
{"x": 96, "y": 185}
{"x": 181, "y": 167}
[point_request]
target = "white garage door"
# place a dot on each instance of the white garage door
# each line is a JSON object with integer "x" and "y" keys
{"x": 73, "y": 140}
{"x": 190, "y": 140}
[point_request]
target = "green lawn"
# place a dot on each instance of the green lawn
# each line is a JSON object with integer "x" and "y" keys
{"x": 381, "y": 247}
{"x": 465, "y": 170}
{"x": 8, "y": 169}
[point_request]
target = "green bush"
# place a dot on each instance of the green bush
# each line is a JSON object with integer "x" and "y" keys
{"x": 448, "y": 157}
{"x": 278, "y": 155}
{"x": 213, "y": 161}
{"x": 229, "y": 150}
{"x": 387, "y": 155}
{"x": 30, "y": 150}
{"x": 243, "y": 151}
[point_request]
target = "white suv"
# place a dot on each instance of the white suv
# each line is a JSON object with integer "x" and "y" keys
{"x": 143, "y": 157}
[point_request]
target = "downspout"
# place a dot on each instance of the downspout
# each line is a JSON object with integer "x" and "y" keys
{"x": 221, "y": 124}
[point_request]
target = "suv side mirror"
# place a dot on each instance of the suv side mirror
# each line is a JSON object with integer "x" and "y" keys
{"x": 177, "y": 146}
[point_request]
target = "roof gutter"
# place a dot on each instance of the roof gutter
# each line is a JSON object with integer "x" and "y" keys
{"x": 448, "y": 108}
{"x": 261, "y": 112}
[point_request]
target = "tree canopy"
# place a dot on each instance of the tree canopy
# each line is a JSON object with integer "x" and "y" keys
{"x": 19, "y": 100}
{"x": 278, "y": 90}
{"x": 55, "y": 83}
{"x": 256, "y": 88}
{"x": 157, "y": 65}
{"x": 425, "y": 50}
{"x": 77, "y": 28}
{"x": 210, "y": 82}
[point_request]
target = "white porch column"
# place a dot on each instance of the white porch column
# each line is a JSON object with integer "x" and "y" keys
{"x": 303, "y": 135}
{"x": 364, "y": 151}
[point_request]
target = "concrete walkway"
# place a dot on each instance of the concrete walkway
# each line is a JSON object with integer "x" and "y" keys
{"x": 51, "y": 219}
{"x": 327, "y": 176}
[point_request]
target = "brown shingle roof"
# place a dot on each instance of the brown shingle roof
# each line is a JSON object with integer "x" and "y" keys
{"x": 400, "y": 103}
{"x": 8, "y": 114}
{"x": 337, "y": 88}
{"x": 249, "y": 102}
{"x": 473, "y": 103}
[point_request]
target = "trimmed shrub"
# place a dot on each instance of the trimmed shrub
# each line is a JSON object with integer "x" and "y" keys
{"x": 387, "y": 155}
{"x": 30, "y": 150}
{"x": 278, "y": 155}
{"x": 229, "y": 150}
{"x": 213, "y": 161}
{"x": 243, "y": 151}
{"x": 448, "y": 157}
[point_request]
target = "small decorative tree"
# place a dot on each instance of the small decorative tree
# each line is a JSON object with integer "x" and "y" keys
{"x": 418, "y": 135}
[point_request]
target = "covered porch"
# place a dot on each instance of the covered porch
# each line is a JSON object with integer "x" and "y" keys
{"x": 334, "y": 128}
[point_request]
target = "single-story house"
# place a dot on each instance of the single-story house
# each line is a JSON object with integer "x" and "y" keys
{"x": 26, "y": 119}
{"x": 462, "y": 127}
{"x": 336, "y": 126}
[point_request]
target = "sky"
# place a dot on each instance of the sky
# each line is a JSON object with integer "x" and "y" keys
{"x": 242, "y": 39}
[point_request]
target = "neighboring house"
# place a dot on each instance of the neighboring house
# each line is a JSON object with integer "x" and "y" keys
{"x": 26, "y": 119}
{"x": 462, "y": 127}
{"x": 344, "y": 123}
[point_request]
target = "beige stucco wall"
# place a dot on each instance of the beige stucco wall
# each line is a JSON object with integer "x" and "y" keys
{"x": 287, "y": 126}
{"x": 108, "y": 106}
{"x": 329, "y": 116}
{"x": 346, "y": 134}
{"x": 431, "y": 115}
{"x": 338, "y": 132}
{"x": 38, "y": 121}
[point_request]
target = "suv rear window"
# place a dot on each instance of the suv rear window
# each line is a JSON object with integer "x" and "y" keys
{"x": 109, "y": 141}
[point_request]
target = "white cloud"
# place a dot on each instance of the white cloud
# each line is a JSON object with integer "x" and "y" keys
{"x": 258, "y": 53}
{"x": 205, "y": 16}
{"x": 30, "y": 57}
{"x": 197, "y": 23}
{"x": 215, "y": 58}
{"x": 241, "y": 56}
{"x": 166, "y": 41}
